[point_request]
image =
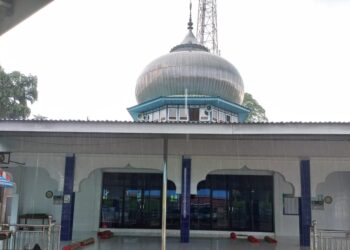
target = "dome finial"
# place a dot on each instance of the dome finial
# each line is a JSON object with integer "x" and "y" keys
{"x": 190, "y": 24}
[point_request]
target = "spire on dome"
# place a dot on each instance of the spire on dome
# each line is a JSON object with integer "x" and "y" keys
{"x": 190, "y": 42}
{"x": 190, "y": 23}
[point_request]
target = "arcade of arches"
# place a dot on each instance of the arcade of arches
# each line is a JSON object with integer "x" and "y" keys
{"x": 223, "y": 202}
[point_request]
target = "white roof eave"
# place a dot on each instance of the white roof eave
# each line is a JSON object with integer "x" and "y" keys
{"x": 112, "y": 127}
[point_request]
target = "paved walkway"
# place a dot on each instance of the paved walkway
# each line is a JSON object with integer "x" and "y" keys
{"x": 154, "y": 243}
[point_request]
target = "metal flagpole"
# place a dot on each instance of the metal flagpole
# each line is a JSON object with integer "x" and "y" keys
{"x": 165, "y": 188}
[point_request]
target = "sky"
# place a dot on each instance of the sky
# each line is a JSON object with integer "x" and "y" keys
{"x": 293, "y": 55}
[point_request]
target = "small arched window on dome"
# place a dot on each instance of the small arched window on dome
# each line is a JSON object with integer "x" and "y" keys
{"x": 222, "y": 116}
{"x": 183, "y": 114}
{"x": 163, "y": 115}
{"x": 215, "y": 115}
{"x": 156, "y": 116}
{"x": 194, "y": 114}
{"x": 234, "y": 118}
{"x": 204, "y": 114}
{"x": 172, "y": 113}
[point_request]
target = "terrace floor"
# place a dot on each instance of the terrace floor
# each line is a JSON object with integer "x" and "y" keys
{"x": 173, "y": 243}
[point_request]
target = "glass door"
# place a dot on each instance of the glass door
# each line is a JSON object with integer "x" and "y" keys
{"x": 201, "y": 208}
{"x": 142, "y": 201}
{"x": 240, "y": 210}
{"x": 151, "y": 208}
{"x": 262, "y": 204}
{"x": 219, "y": 203}
{"x": 173, "y": 207}
{"x": 111, "y": 206}
{"x": 251, "y": 203}
{"x": 133, "y": 207}
{"x": 134, "y": 200}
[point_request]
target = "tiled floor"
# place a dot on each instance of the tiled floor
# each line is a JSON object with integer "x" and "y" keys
{"x": 154, "y": 243}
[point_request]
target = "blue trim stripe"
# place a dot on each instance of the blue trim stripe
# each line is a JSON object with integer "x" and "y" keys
{"x": 305, "y": 204}
{"x": 68, "y": 207}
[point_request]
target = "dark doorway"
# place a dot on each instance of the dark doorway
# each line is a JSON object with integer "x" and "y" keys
{"x": 194, "y": 114}
{"x": 234, "y": 202}
{"x": 133, "y": 200}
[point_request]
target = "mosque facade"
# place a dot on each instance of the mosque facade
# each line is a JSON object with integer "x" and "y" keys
{"x": 223, "y": 175}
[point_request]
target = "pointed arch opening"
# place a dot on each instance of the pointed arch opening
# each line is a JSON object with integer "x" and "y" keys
{"x": 229, "y": 201}
{"x": 134, "y": 200}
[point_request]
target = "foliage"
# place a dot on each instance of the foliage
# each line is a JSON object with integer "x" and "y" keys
{"x": 257, "y": 113}
{"x": 16, "y": 90}
{"x": 39, "y": 117}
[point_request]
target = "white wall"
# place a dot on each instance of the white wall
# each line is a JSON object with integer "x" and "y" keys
{"x": 32, "y": 184}
{"x": 337, "y": 214}
{"x": 3, "y": 147}
{"x": 87, "y": 204}
{"x": 285, "y": 225}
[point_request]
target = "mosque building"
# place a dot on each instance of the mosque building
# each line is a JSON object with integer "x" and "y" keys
{"x": 223, "y": 175}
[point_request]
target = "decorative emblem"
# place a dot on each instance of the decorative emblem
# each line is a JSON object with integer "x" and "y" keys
{"x": 328, "y": 199}
{"x": 48, "y": 194}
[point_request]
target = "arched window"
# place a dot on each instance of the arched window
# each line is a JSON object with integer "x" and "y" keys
{"x": 233, "y": 202}
{"x": 134, "y": 200}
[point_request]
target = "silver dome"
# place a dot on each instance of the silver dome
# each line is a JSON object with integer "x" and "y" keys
{"x": 190, "y": 67}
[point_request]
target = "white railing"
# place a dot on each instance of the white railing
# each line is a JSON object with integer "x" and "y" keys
{"x": 325, "y": 239}
{"x": 26, "y": 236}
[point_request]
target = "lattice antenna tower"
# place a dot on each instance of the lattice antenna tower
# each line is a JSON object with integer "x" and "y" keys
{"x": 207, "y": 27}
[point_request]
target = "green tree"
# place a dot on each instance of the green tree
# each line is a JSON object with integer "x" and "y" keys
{"x": 39, "y": 117}
{"x": 16, "y": 90}
{"x": 257, "y": 113}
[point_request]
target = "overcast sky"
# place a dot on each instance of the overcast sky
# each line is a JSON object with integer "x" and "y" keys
{"x": 293, "y": 55}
